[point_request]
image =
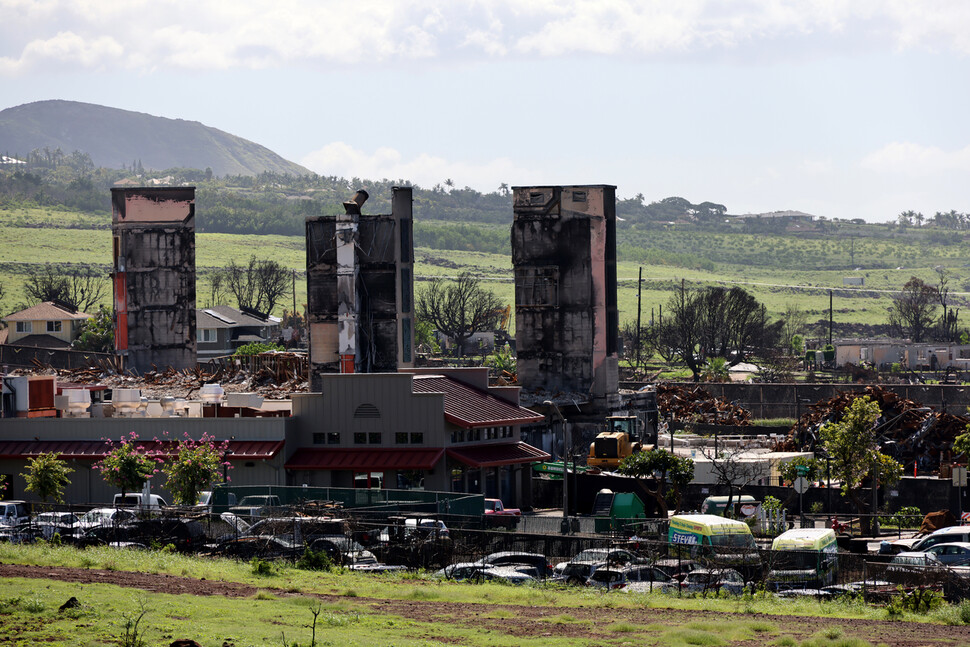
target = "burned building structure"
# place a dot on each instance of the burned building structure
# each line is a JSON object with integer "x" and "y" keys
{"x": 153, "y": 235}
{"x": 360, "y": 294}
{"x": 566, "y": 318}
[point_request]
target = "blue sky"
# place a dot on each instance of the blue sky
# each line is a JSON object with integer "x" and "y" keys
{"x": 840, "y": 108}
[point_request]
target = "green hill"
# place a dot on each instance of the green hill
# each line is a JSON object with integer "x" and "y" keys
{"x": 116, "y": 138}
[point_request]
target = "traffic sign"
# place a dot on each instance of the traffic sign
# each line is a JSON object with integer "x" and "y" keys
{"x": 801, "y": 485}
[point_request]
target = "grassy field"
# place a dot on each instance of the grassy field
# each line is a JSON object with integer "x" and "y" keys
{"x": 778, "y": 270}
{"x": 399, "y": 609}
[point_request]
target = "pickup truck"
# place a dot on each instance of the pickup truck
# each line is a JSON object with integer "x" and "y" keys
{"x": 499, "y": 515}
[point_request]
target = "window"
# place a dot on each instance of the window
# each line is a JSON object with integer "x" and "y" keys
{"x": 360, "y": 438}
{"x": 25, "y": 326}
{"x": 319, "y": 439}
{"x": 401, "y": 438}
{"x": 417, "y": 438}
{"x": 53, "y": 326}
{"x": 478, "y": 434}
{"x": 374, "y": 438}
{"x": 205, "y": 335}
{"x": 333, "y": 437}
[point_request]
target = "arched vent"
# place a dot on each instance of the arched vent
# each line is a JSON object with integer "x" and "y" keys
{"x": 367, "y": 411}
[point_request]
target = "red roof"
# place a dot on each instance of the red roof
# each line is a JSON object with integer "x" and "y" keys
{"x": 498, "y": 454}
{"x": 467, "y": 407}
{"x": 377, "y": 459}
{"x": 96, "y": 449}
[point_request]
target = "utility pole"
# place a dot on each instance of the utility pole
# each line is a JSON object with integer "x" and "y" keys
{"x": 830, "y": 317}
{"x": 294, "y": 292}
{"x": 639, "y": 289}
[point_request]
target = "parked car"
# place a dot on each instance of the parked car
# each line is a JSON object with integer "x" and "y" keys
{"x": 612, "y": 556}
{"x": 184, "y": 534}
{"x": 150, "y": 502}
{"x": 256, "y": 506}
{"x": 344, "y": 551}
{"x": 510, "y": 558}
{"x": 576, "y": 572}
{"x": 13, "y": 513}
{"x": 617, "y": 578}
{"x": 704, "y": 580}
{"x": 479, "y": 572}
{"x": 498, "y": 515}
{"x": 105, "y": 517}
{"x": 942, "y": 536}
{"x": 48, "y": 524}
{"x": 264, "y": 547}
{"x": 951, "y": 554}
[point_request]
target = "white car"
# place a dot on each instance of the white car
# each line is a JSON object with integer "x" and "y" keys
{"x": 105, "y": 517}
{"x": 954, "y": 553}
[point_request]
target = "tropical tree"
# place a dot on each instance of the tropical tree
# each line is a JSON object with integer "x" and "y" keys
{"x": 854, "y": 452}
{"x": 98, "y": 333}
{"x": 47, "y": 476}
{"x": 671, "y": 475}
{"x": 194, "y": 466}
{"x": 459, "y": 308}
{"x": 127, "y": 465}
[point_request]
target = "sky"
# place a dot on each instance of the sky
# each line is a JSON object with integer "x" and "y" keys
{"x": 838, "y": 108}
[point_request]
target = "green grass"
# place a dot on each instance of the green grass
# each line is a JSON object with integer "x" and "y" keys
{"x": 765, "y": 265}
{"x": 350, "y": 612}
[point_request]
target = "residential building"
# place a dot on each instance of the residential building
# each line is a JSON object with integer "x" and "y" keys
{"x": 50, "y": 324}
{"x": 220, "y": 330}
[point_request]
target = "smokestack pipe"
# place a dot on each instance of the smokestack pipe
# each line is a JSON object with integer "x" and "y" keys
{"x": 352, "y": 206}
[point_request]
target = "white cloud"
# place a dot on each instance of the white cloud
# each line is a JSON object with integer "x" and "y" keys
{"x": 213, "y": 34}
{"x": 907, "y": 158}
{"x": 341, "y": 159}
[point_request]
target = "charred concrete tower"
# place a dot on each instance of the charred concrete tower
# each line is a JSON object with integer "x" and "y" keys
{"x": 154, "y": 276}
{"x": 564, "y": 255}
{"x": 360, "y": 294}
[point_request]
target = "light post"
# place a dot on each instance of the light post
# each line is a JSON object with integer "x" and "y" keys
{"x": 565, "y": 466}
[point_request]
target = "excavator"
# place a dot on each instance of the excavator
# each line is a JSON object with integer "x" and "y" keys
{"x": 624, "y": 435}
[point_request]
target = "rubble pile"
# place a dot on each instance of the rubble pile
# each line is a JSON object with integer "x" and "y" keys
{"x": 697, "y": 405}
{"x": 274, "y": 380}
{"x": 908, "y": 431}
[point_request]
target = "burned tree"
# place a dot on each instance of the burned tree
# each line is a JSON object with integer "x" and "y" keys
{"x": 459, "y": 308}
{"x": 913, "y": 310}
{"x": 259, "y": 286}
{"x": 82, "y": 288}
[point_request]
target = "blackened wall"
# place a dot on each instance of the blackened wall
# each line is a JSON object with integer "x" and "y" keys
{"x": 154, "y": 277}
{"x": 564, "y": 256}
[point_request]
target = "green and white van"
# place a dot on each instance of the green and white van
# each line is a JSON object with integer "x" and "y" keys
{"x": 714, "y": 539}
{"x": 804, "y": 558}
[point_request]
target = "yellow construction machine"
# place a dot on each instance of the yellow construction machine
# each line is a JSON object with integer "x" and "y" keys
{"x": 624, "y": 436}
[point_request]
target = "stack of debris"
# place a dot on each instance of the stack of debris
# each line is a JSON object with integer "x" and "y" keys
{"x": 273, "y": 381}
{"x": 696, "y": 405}
{"x": 908, "y": 431}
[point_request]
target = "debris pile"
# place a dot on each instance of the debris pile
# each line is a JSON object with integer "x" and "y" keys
{"x": 274, "y": 378}
{"x": 697, "y": 405}
{"x": 908, "y": 431}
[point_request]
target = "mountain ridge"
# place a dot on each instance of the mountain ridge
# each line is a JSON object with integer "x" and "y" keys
{"x": 115, "y": 138}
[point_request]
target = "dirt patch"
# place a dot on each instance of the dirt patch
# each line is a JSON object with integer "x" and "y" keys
{"x": 573, "y": 622}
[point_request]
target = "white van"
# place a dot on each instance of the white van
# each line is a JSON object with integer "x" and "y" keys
{"x": 13, "y": 513}
{"x": 139, "y": 500}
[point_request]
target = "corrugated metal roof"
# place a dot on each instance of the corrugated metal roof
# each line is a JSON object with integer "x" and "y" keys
{"x": 96, "y": 449}
{"x": 468, "y": 407}
{"x": 377, "y": 459}
{"x": 498, "y": 454}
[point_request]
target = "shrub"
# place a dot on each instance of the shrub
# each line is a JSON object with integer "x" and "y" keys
{"x": 261, "y": 566}
{"x": 315, "y": 560}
